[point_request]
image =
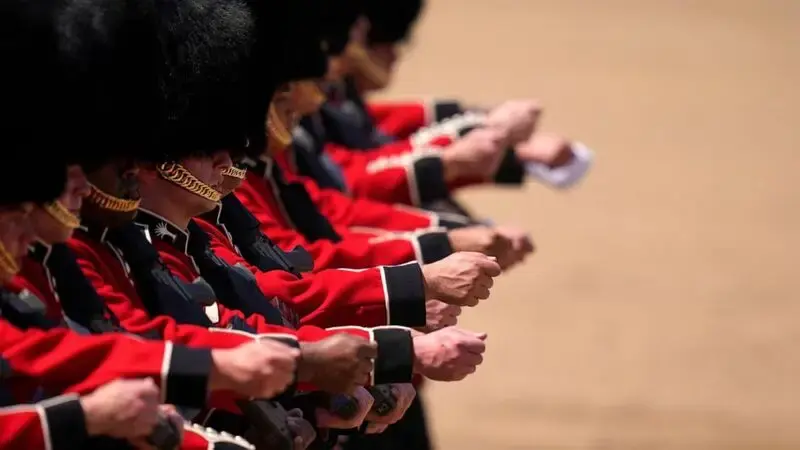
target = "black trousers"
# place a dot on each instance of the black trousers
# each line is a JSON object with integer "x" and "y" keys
{"x": 410, "y": 433}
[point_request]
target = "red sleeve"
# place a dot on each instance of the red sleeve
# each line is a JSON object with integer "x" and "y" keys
{"x": 63, "y": 361}
{"x": 54, "y": 424}
{"x": 400, "y": 119}
{"x": 380, "y": 296}
{"x": 108, "y": 277}
{"x": 351, "y": 252}
{"x": 348, "y": 212}
{"x": 396, "y": 351}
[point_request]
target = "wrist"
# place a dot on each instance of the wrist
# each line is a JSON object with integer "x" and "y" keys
{"x": 452, "y": 168}
{"x": 217, "y": 379}
{"x": 95, "y": 425}
{"x": 429, "y": 294}
{"x": 305, "y": 366}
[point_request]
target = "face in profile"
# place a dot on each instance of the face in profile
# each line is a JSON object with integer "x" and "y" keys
{"x": 114, "y": 193}
{"x": 48, "y": 222}
{"x": 192, "y": 187}
{"x": 16, "y": 235}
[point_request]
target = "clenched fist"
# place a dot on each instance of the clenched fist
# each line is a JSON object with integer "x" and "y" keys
{"x": 521, "y": 245}
{"x": 477, "y": 155}
{"x": 449, "y": 354}
{"x": 481, "y": 239}
{"x": 461, "y": 279}
{"x": 515, "y": 119}
{"x": 126, "y": 409}
{"x": 548, "y": 149}
{"x": 260, "y": 369}
{"x": 337, "y": 364}
{"x": 440, "y": 314}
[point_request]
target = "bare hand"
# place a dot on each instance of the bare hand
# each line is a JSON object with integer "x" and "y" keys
{"x": 449, "y": 354}
{"x": 260, "y": 369}
{"x": 126, "y": 409}
{"x": 476, "y": 155}
{"x": 337, "y": 364}
{"x": 515, "y": 119}
{"x": 521, "y": 245}
{"x": 549, "y": 149}
{"x": 481, "y": 239}
{"x": 439, "y": 315}
{"x": 461, "y": 279}
{"x": 327, "y": 420}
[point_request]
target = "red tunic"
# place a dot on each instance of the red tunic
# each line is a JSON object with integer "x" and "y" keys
{"x": 259, "y": 194}
{"x": 386, "y": 295}
{"x": 54, "y": 424}
{"x": 61, "y": 360}
{"x": 172, "y": 247}
{"x": 401, "y": 119}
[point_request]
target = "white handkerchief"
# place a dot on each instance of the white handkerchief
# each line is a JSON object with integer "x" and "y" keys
{"x": 567, "y": 175}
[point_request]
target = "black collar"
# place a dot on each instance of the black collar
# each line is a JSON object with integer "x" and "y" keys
{"x": 161, "y": 228}
{"x": 96, "y": 232}
{"x": 263, "y": 167}
{"x": 39, "y": 251}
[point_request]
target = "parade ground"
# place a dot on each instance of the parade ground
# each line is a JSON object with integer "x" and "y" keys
{"x": 662, "y": 310}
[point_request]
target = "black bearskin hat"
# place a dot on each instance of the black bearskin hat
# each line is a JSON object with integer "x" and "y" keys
{"x": 391, "y": 20}
{"x": 167, "y": 77}
{"x": 338, "y": 18}
{"x": 44, "y": 183}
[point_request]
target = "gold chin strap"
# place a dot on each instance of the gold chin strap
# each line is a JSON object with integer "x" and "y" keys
{"x": 277, "y": 129}
{"x": 373, "y": 72}
{"x": 310, "y": 95}
{"x": 177, "y": 174}
{"x": 8, "y": 265}
{"x": 111, "y": 203}
{"x": 235, "y": 172}
{"x": 61, "y": 214}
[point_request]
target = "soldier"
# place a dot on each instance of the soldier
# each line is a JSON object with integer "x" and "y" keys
{"x": 63, "y": 362}
{"x": 282, "y": 202}
{"x": 547, "y": 157}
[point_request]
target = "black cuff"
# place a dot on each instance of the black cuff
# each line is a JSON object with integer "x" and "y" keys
{"x": 405, "y": 288}
{"x": 434, "y": 246}
{"x": 395, "y": 361}
{"x": 444, "y": 110}
{"x": 454, "y": 221}
{"x": 429, "y": 180}
{"x": 511, "y": 170}
{"x": 187, "y": 377}
{"x": 66, "y": 423}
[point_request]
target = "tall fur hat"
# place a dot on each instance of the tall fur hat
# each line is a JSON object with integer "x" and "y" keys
{"x": 392, "y": 20}
{"x": 338, "y": 18}
{"x": 164, "y": 78}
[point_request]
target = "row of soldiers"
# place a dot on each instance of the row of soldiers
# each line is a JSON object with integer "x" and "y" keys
{"x": 210, "y": 239}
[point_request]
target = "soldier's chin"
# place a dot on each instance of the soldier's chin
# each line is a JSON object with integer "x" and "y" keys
{"x": 201, "y": 207}
{"x": 229, "y": 185}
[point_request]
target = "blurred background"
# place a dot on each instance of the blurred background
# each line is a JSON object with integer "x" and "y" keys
{"x": 662, "y": 308}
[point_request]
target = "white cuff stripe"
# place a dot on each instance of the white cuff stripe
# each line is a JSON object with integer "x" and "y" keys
{"x": 165, "y": 364}
{"x": 385, "y": 287}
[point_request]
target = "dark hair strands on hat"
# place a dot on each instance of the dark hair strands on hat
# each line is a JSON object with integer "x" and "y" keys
{"x": 391, "y": 21}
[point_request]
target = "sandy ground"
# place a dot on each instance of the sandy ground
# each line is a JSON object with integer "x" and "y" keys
{"x": 661, "y": 311}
